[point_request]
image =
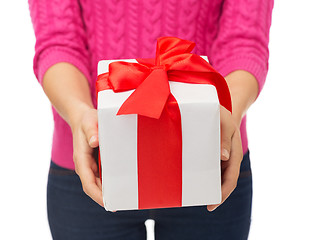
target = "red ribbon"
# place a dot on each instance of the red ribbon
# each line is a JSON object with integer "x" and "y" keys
{"x": 159, "y": 121}
{"x": 173, "y": 62}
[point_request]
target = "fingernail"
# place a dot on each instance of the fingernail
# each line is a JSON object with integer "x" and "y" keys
{"x": 213, "y": 209}
{"x": 225, "y": 153}
{"x": 92, "y": 139}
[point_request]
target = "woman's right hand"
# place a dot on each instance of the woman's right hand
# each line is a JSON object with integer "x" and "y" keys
{"x": 69, "y": 92}
{"x": 85, "y": 140}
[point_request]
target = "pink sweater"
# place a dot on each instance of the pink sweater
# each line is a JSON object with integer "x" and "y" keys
{"x": 232, "y": 33}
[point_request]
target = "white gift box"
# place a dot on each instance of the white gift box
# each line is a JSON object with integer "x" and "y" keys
{"x": 200, "y": 125}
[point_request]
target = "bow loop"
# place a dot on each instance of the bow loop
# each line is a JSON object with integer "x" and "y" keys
{"x": 167, "y": 48}
{"x": 163, "y": 67}
{"x": 125, "y": 76}
{"x": 149, "y": 97}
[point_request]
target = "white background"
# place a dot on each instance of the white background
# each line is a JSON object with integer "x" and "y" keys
{"x": 277, "y": 130}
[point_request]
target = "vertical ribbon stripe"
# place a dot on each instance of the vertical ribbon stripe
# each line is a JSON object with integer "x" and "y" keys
{"x": 159, "y": 159}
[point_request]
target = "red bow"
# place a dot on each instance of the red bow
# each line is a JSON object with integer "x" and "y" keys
{"x": 173, "y": 62}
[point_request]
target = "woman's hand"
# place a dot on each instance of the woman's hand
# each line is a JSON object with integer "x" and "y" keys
{"x": 231, "y": 155}
{"x": 69, "y": 92}
{"x": 85, "y": 139}
{"x": 244, "y": 91}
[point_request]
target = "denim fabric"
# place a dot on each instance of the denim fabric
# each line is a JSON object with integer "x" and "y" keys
{"x": 73, "y": 215}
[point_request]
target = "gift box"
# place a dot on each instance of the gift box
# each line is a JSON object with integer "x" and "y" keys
{"x": 159, "y": 129}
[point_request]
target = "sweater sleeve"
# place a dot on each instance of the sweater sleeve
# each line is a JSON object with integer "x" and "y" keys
{"x": 242, "y": 39}
{"x": 60, "y": 35}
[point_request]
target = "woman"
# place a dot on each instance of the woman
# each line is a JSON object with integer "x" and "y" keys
{"x": 73, "y": 35}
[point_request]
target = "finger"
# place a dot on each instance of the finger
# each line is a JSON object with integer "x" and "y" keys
{"x": 94, "y": 192}
{"x": 225, "y": 146}
{"x": 227, "y": 189}
{"x": 90, "y": 128}
{"x": 90, "y": 183}
{"x": 212, "y": 207}
{"x": 98, "y": 182}
{"x": 231, "y": 173}
{"x": 94, "y": 141}
{"x": 227, "y": 131}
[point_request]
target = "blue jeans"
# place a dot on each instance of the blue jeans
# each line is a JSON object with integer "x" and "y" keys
{"x": 73, "y": 215}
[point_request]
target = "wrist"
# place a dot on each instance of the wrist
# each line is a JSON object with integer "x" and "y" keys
{"x": 237, "y": 117}
{"x": 76, "y": 115}
{"x": 244, "y": 89}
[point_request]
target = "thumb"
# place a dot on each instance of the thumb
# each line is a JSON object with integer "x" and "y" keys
{"x": 227, "y": 131}
{"x": 90, "y": 128}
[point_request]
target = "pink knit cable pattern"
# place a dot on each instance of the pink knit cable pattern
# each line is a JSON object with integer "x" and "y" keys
{"x": 213, "y": 16}
{"x": 60, "y": 37}
{"x": 88, "y": 22}
{"x": 171, "y": 18}
{"x": 242, "y": 40}
{"x": 99, "y": 29}
{"x": 201, "y": 27}
{"x": 152, "y": 28}
{"x": 116, "y": 24}
{"x": 233, "y": 34}
{"x": 133, "y": 33}
{"x": 190, "y": 9}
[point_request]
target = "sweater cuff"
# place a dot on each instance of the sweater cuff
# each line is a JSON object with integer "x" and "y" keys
{"x": 57, "y": 55}
{"x": 248, "y": 64}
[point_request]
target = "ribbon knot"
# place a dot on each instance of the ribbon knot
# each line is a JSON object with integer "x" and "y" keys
{"x": 158, "y": 67}
{"x": 173, "y": 62}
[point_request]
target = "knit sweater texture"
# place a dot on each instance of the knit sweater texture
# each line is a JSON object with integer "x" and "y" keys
{"x": 234, "y": 34}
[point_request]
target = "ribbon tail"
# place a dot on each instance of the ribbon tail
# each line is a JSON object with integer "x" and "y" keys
{"x": 212, "y": 78}
{"x": 194, "y": 69}
{"x": 150, "y": 96}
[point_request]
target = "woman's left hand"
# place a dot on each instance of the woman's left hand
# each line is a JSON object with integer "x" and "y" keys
{"x": 231, "y": 155}
{"x": 244, "y": 91}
